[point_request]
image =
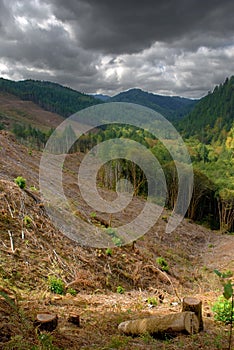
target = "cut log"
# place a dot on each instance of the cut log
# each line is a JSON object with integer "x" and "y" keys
{"x": 162, "y": 324}
{"x": 194, "y": 305}
{"x": 74, "y": 318}
{"x": 46, "y": 322}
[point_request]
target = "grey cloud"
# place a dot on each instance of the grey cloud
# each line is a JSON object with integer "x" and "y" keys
{"x": 6, "y": 18}
{"x": 131, "y": 26}
{"x": 30, "y": 8}
{"x": 168, "y": 47}
{"x": 172, "y": 71}
{"x": 43, "y": 48}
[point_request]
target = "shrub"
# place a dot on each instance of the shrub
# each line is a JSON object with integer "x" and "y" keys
{"x": 71, "y": 291}
{"x": 56, "y": 285}
{"x": 109, "y": 252}
{"x": 152, "y": 301}
{"x": 222, "y": 310}
{"x": 33, "y": 188}
{"x": 120, "y": 290}
{"x": 162, "y": 263}
{"x": 27, "y": 221}
{"x": 21, "y": 182}
{"x": 114, "y": 236}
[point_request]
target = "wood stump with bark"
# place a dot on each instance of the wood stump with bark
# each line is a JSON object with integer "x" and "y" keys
{"x": 46, "y": 322}
{"x": 194, "y": 305}
{"x": 162, "y": 324}
{"x": 74, "y": 318}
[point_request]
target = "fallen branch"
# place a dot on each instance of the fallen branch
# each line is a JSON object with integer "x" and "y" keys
{"x": 167, "y": 277}
{"x": 11, "y": 240}
{"x": 9, "y": 207}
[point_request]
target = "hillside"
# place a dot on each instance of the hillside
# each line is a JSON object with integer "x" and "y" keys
{"x": 213, "y": 116}
{"x": 173, "y": 108}
{"x": 14, "y": 110}
{"x": 31, "y": 124}
{"x": 50, "y": 96}
{"x": 39, "y": 250}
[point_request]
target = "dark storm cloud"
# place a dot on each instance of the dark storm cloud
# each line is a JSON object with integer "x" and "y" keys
{"x": 131, "y": 26}
{"x": 168, "y": 47}
{"x": 6, "y": 19}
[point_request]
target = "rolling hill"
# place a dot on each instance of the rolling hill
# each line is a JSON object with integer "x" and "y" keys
{"x": 173, "y": 108}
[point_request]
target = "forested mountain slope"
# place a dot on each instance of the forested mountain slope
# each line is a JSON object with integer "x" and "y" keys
{"x": 209, "y": 134}
{"x": 213, "y": 116}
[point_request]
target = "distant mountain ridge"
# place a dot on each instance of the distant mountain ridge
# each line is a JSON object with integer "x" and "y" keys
{"x": 171, "y": 107}
{"x": 65, "y": 101}
{"x": 101, "y": 97}
{"x": 208, "y": 119}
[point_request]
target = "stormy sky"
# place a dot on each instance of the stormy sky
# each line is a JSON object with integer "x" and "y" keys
{"x": 170, "y": 47}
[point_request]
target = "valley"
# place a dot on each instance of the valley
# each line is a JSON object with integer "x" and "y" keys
{"x": 105, "y": 286}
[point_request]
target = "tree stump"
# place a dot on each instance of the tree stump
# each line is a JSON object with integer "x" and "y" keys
{"x": 194, "y": 305}
{"x": 74, "y": 318}
{"x": 162, "y": 324}
{"x": 46, "y": 322}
